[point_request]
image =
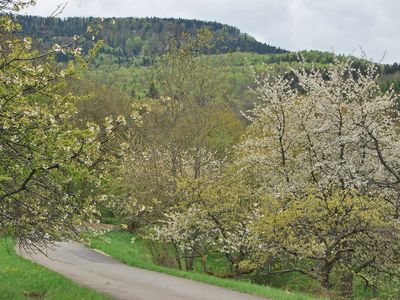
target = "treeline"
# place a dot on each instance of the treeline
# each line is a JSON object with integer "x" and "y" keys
{"x": 390, "y": 69}
{"x": 125, "y": 38}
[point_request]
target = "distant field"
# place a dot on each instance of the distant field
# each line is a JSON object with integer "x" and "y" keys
{"x": 22, "y": 279}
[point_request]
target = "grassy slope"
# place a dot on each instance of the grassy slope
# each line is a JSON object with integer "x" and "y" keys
{"x": 117, "y": 244}
{"x": 23, "y": 279}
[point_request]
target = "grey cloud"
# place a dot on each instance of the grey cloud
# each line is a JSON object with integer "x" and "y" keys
{"x": 342, "y": 25}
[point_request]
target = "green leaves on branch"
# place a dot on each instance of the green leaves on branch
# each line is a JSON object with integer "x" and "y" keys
{"x": 48, "y": 166}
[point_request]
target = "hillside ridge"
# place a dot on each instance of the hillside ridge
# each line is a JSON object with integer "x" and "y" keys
{"x": 129, "y": 37}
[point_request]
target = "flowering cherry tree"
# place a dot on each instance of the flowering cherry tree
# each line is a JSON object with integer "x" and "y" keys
{"x": 213, "y": 214}
{"x": 326, "y": 157}
{"x": 47, "y": 165}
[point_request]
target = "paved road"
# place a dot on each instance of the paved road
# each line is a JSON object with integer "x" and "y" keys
{"x": 100, "y": 272}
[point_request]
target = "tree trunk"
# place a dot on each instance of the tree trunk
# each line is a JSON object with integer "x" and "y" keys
{"x": 238, "y": 272}
{"x": 177, "y": 256}
{"x": 374, "y": 291}
{"x": 346, "y": 282}
{"x": 188, "y": 260}
{"x": 325, "y": 281}
{"x": 132, "y": 226}
{"x": 326, "y": 270}
{"x": 203, "y": 260}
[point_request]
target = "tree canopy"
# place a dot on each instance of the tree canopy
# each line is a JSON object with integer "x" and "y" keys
{"x": 47, "y": 163}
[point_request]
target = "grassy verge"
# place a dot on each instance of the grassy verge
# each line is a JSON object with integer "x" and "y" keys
{"x": 119, "y": 246}
{"x": 23, "y": 279}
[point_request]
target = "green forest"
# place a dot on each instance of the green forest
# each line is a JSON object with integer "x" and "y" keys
{"x": 211, "y": 154}
{"x": 126, "y": 38}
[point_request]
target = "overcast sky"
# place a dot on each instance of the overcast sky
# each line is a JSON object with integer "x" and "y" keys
{"x": 340, "y": 25}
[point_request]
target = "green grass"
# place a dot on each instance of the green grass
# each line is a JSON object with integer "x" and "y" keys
{"x": 119, "y": 246}
{"x": 23, "y": 279}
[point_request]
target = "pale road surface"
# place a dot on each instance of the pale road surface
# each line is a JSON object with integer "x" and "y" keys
{"x": 102, "y": 273}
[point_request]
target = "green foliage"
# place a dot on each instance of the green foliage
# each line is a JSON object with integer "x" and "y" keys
{"x": 48, "y": 166}
{"x": 235, "y": 67}
{"x": 133, "y": 45}
{"x": 98, "y": 101}
{"x": 182, "y": 132}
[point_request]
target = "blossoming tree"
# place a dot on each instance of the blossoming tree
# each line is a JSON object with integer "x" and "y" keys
{"x": 47, "y": 165}
{"x": 325, "y": 155}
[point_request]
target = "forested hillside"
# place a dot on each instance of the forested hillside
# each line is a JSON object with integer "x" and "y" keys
{"x": 125, "y": 38}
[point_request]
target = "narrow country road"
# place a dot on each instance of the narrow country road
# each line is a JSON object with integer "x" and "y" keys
{"x": 100, "y": 272}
